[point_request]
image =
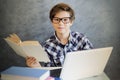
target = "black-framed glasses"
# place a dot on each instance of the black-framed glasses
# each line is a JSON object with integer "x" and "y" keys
{"x": 65, "y": 20}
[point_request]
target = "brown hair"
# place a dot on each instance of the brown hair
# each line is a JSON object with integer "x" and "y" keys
{"x": 61, "y": 7}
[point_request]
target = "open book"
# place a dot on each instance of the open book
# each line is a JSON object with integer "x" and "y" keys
{"x": 27, "y": 48}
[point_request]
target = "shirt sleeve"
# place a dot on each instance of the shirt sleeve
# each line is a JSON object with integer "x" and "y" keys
{"x": 86, "y": 43}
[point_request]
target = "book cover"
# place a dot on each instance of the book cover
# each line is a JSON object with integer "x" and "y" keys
{"x": 24, "y": 73}
{"x": 27, "y": 48}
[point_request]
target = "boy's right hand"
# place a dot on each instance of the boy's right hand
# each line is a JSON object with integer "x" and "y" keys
{"x": 32, "y": 62}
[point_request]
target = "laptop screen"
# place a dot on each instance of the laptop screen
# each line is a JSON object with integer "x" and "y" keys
{"x": 86, "y": 63}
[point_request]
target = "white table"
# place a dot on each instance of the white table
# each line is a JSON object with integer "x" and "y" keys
{"x": 103, "y": 76}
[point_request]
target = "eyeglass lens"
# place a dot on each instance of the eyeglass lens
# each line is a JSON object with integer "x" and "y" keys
{"x": 64, "y": 20}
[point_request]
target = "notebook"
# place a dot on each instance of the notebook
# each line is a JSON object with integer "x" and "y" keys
{"x": 83, "y": 64}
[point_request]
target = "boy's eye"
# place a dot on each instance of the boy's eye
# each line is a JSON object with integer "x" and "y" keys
{"x": 65, "y": 19}
{"x": 56, "y": 19}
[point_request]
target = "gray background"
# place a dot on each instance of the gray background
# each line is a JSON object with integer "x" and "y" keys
{"x": 97, "y": 19}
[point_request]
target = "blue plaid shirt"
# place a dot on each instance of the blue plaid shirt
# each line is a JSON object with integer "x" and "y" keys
{"x": 57, "y": 51}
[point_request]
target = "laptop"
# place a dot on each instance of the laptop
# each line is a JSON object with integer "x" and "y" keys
{"x": 83, "y": 64}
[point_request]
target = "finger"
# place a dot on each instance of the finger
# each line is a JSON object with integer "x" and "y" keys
{"x": 29, "y": 57}
{"x": 32, "y": 60}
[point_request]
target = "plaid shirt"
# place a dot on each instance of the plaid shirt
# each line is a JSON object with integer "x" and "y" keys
{"x": 56, "y": 51}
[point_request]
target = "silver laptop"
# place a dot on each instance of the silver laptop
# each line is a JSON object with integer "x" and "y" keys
{"x": 86, "y": 63}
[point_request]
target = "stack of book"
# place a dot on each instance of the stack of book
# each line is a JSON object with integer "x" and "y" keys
{"x": 25, "y": 73}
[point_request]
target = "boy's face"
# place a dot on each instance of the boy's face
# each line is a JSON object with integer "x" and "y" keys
{"x": 61, "y": 22}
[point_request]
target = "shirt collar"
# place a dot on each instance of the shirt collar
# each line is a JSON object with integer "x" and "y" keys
{"x": 70, "y": 37}
{"x": 56, "y": 37}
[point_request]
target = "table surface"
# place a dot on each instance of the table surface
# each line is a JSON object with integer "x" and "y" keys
{"x": 103, "y": 76}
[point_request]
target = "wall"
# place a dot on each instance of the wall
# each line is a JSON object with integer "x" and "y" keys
{"x": 97, "y": 19}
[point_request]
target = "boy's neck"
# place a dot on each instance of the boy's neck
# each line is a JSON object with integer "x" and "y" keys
{"x": 63, "y": 37}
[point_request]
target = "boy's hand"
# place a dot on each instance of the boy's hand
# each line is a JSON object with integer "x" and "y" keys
{"x": 32, "y": 62}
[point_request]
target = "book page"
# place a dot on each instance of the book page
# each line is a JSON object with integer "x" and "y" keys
{"x": 35, "y": 51}
{"x": 14, "y": 38}
{"x": 49, "y": 68}
{"x": 36, "y": 43}
{"x": 16, "y": 48}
